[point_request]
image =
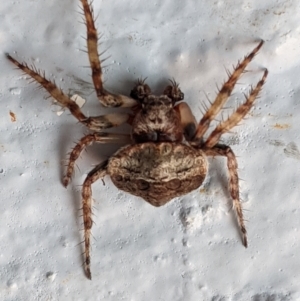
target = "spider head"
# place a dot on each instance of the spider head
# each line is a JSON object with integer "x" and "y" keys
{"x": 156, "y": 120}
{"x": 153, "y": 103}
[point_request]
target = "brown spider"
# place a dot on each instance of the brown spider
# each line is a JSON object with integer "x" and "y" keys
{"x": 165, "y": 155}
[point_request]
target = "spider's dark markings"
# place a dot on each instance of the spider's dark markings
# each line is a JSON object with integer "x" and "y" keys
{"x": 165, "y": 155}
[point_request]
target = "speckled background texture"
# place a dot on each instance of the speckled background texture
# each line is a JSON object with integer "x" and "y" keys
{"x": 189, "y": 249}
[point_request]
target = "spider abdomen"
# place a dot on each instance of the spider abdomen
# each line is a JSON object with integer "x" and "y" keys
{"x": 158, "y": 172}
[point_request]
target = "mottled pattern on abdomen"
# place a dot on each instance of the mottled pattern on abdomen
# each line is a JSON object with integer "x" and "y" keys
{"x": 158, "y": 172}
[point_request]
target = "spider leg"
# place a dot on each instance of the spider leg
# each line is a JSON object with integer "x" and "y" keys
{"x": 226, "y": 151}
{"x": 86, "y": 141}
{"x": 187, "y": 120}
{"x": 95, "y": 123}
{"x": 224, "y": 93}
{"x": 106, "y": 98}
{"x": 237, "y": 116}
{"x": 97, "y": 173}
{"x": 98, "y": 123}
{"x": 51, "y": 87}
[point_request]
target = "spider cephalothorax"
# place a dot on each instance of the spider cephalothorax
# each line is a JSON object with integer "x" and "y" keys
{"x": 157, "y": 121}
{"x": 165, "y": 155}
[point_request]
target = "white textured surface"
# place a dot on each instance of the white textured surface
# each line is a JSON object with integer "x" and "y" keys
{"x": 190, "y": 249}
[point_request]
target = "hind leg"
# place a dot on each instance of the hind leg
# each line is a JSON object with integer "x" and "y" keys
{"x": 97, "y": 173}
{"x": 226, "y": 151}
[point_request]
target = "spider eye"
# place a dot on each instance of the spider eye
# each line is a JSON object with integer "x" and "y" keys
{"x": 149, "y": 100}
{"x": 166, "y": 100}
{"x": 181, "y": 96}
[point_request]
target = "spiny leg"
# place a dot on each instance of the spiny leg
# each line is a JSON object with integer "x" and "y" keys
{"x": 106, "y": 98}
{"x": 237, "y": 116}
{"x": 96, "y": 123}
{"x": 224, "y": 150}
{"x": 53, "y": 90}
{"x": 97, "y": 173}
{"x": 86, "y": 141}
{"x": 224, "y": 93}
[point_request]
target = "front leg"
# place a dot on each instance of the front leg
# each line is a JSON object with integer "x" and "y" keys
{"x": 237, "y": 116}
{"x": 226, "y": 151}
{"x": 106, "y": 98}
{"x": 62, "y": 99}
{"x": 224, "y": 93}
{"x": 94, "y": 123}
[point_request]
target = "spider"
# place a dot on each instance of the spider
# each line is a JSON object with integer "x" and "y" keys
{"x": 165, "y": 155}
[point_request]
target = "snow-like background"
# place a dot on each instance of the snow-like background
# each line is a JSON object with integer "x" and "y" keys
{"x": 189, "y": 249}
